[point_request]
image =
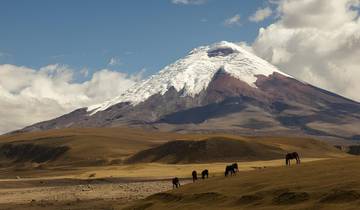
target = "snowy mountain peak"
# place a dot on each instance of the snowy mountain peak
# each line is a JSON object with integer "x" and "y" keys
{"x": 194, "y": 72}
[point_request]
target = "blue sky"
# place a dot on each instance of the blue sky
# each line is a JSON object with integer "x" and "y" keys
{"x": 137, "y": 33}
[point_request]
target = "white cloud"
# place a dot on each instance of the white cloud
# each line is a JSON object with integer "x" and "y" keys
{"x": 28, "y": 95}
{"x": 114, "y": 61}
{"x": 317, "y": 41}
{"x": 261, "y": 14}
{"x": 234, "y": 20}
{"x": 186, "y": 2}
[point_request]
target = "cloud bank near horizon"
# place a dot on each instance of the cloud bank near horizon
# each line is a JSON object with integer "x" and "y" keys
{"x": 317, "y": 41}
{"x": 30, "y": 95}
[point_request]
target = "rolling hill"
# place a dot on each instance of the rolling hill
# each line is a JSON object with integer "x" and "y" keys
{"x": 228, "y": 149}
{"x": 114, "y": 146}
{"x": 87, "y": 146}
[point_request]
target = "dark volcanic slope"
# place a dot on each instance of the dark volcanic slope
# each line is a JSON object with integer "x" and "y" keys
{"x": 279, "y": 105}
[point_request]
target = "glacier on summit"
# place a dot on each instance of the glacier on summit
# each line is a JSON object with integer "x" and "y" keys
{"x": 194, "y": 72}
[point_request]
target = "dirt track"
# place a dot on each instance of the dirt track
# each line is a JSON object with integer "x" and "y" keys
{"x": 35, "y": 195}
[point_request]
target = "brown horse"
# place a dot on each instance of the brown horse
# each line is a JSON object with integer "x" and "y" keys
{"x": 194, "y": 176}
{"x": 290, "y": 156}
{"x": 175, "y": 182}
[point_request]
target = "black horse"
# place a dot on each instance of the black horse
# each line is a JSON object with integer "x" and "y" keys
{"x": 175, "y": 182}
{"x": 194, "y": 176}
{"x": 205, "y": 173}
{"x": 235, "y": 166}
{"x": 232, "y": 169}
{"x": 290, "y": 156}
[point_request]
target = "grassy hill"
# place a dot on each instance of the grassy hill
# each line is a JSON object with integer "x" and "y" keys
{"x": 86, "y": 146}
{"x": 228, "y": 149}
{"x": 111, "y": 146}
{"x": 328, "y": 184}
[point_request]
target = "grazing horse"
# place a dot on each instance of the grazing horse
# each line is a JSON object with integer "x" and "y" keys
{"x": 235, "y": 166}
{"x": 205, "y": 173}
{"x": 290, "y": 156}
{"x": 175, "y": 182}
{"x": 232, "y": 169}
{"x": 194, "y": 176}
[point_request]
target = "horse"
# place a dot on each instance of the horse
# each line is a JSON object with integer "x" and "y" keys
{"x": 175, "y": 182}
{"x": 290, "y": 156}
{"x": 205, "y": 173}
{"x": 194, "y": 176}
{"x": 229, "y": 169}
{"x": 235, "y": 166}
{"x": 232, "y": 169}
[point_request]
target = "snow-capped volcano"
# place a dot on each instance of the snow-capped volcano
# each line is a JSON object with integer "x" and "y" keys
{"x": 222, "y": 88}
{"x": 193, "y": 73}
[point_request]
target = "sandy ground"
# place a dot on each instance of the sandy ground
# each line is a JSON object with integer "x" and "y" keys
{"x": 73, "y": 194}
{"x": 127, "y": 191}
{"x": 118, "y": 185}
